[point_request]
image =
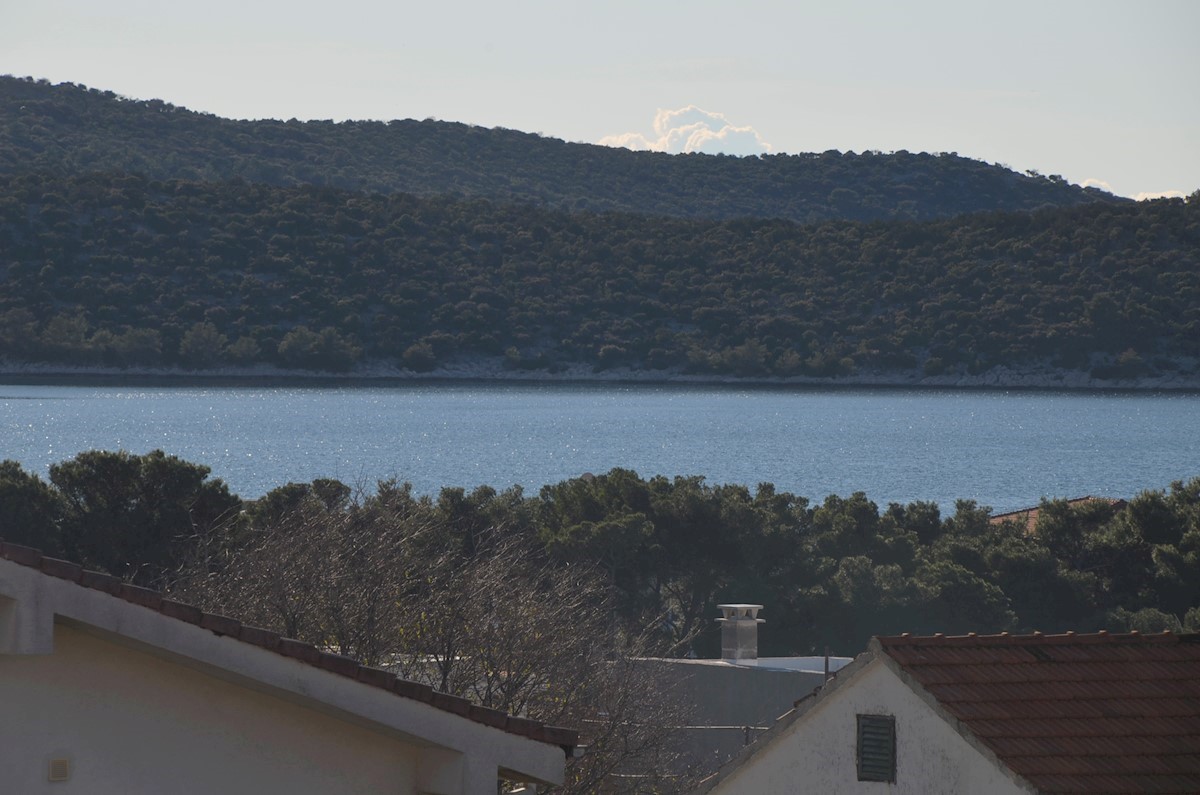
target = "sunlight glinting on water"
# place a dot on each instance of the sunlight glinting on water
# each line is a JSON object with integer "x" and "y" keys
{"x": 1006, "y": 450}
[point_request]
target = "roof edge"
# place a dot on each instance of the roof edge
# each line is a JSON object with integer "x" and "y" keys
{"x": 1035, "y": 638}
{"x": 344, "y": 667}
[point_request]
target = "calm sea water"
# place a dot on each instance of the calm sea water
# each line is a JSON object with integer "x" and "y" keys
{"x": 1003, "y": 449}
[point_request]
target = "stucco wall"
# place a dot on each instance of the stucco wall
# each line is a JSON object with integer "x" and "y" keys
{"x": 131, "y": 722}
{"x": 816, "y": 754}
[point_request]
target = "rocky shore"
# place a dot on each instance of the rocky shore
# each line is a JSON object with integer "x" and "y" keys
{"x": 1184, "y": 377}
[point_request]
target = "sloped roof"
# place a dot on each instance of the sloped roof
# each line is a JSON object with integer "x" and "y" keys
{"x": 287, "y": 647}
{"x": 1096, "y": 713}
{"x": 1029, "y": 516}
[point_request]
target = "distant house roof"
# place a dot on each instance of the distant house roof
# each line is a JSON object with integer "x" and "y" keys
{"x": 1094, "y": 713}
{"x": 1029, "y": 516}
{"x": 287, "y": 647}
{"x": 1071, "y": 713}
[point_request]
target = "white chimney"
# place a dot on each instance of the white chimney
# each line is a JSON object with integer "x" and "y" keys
{"x": 739, "y": 632}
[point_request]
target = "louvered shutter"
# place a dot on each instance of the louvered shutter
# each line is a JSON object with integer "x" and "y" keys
{"x": 876, "y": 748}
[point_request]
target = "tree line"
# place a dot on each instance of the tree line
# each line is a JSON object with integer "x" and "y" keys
{"x": 834, "y": 572}
{"x": 123, "y": 271}
{"x": 70, "y": 129}
{"x": 541, "y": 604}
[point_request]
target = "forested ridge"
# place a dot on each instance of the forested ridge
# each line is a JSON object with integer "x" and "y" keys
{"x": 137, "y": 234}
{"x": 123, "y": 270}
{"x": 68, "y": 129}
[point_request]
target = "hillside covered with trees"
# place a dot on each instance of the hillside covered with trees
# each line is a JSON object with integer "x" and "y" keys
{"x": 121, "y": 270}
{"x": 137, "y": 234}
{"x": 69, "y": 129}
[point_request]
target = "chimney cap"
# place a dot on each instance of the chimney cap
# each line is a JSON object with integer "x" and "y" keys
{"x": 740, "y": 612}
{"x": 739, "y": 633}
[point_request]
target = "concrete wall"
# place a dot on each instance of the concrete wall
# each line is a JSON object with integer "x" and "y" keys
{"x": 131, "y": 722}
{"x": 816, "y": 754}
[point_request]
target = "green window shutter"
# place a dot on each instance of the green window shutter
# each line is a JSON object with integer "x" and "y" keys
{"x": 876, "y": 748}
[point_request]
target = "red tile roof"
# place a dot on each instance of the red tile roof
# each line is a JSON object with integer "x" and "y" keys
{"x": 1071, "y": 713}
{"x": 1029, "y": 516}
{"x": 271, "y": 641}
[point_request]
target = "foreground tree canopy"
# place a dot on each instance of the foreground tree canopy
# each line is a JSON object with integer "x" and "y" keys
{"x": 832, "y": 573}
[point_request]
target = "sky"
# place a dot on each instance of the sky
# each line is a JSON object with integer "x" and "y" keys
{"x": 1102, "y": 93}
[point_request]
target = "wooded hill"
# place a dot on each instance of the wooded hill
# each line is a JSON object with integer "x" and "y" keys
{"x": 121, "y": 270}
{"x": 69, "y": 129}
{"x": 140, "y": 234}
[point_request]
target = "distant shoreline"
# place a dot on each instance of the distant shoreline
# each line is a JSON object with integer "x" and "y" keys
{"x": 487, "y": 372}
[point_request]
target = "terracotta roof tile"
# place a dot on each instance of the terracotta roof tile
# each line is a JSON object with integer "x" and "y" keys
{"x": 490, "y": 717}
{"x": 1075, "y": 708}
{"x": 346, "y": 666}
{"x": 62, "y": 569}
{"x": 306, "y": 653}
{"x": 1095, "y": 713}
{"x": 221, "y": 625}
{"x": 1117, "y": 785}
{"x": 184, "y": 612}
{"x": 413, "y": 690}
{"x": 376, "y": 677}
{"x": 100, "y": 582}
{"x": 459, "y": 706}
{"x": 26, "y": 556}
{"x": 257, "y": 636}
{"x": 297, "y": 650}
{"x": 140, "y": 596}
{"x": 1029, "y": 516}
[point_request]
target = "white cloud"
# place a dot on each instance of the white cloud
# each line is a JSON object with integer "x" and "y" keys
{"x": 635, "y": 141}
{"x": 1141, "y": 197}
{"x": 1098, "y": 183}
{"x": 1162, "y": 194}
{"x": 693, "y": 129}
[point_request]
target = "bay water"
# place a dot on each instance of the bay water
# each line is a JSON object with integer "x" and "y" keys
{"x": 1004, "y": 449}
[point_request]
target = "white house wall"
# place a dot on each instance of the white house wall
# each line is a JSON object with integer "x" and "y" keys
{"x": 816, "y": 753}
{"x": 129, "y": 721}
{"x": 131, "y": 696}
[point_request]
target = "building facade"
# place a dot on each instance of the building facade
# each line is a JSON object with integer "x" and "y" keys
{"x": 999, "y": 714}
{"x": 110, "y": 688}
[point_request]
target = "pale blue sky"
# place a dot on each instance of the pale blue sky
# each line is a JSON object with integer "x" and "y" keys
{"x": 1099, "y": 90}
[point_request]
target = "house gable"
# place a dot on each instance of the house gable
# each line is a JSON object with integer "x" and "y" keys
{"x": 1095, "y": 713}
{"x": 813, "y": 748}
{"x": 1070, "y": 713}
